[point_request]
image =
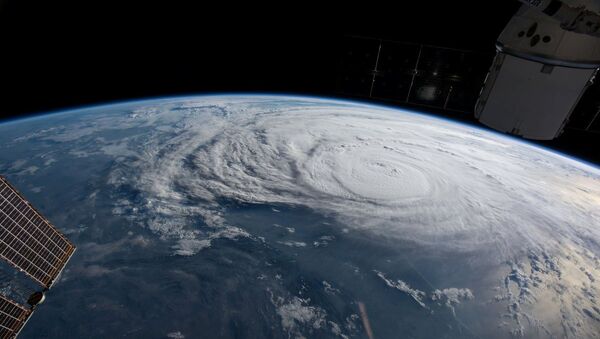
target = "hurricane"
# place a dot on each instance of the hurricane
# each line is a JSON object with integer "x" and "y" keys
{"x": 400, "y": 174}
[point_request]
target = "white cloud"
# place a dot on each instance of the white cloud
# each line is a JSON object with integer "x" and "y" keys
{"x": 188, "y": 247}
{"x": 329, "y": 288}
{"x": 93, "y": 271}
{"x": 175, "y": 335}
{"x": 298, "y": 312}
{"x": 293, "y": 243}
{"x": 299, "y": 317}
{"x": 451, "y": 296}
{"x": 400, "y": 285}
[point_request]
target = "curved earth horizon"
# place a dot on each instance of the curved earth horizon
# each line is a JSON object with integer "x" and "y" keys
{"x": 259, "y": 216}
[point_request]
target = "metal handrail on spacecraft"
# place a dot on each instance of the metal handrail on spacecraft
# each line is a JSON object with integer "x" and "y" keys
{"x": 547, "y": 56}
{"x": 32, "y": 245}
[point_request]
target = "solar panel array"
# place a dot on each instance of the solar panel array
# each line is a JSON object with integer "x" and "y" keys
{"x": 12, "y": 318}
{"x": 28, "y": 241}
{"x": 416, "y": 74}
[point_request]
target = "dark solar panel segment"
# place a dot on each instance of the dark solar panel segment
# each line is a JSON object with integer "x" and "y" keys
{"x": 12, "y": 318}
{"x": 28, "y": 241}
{"x": 416, "y": 74}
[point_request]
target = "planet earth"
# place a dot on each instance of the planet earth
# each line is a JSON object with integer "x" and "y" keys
{"x": 266, "y": 216}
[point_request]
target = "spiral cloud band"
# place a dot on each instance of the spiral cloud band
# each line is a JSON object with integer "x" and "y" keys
{"x": 398, "y": 174}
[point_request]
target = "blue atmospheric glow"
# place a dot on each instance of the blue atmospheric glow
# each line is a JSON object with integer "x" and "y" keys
{"x": 40, "y": 115}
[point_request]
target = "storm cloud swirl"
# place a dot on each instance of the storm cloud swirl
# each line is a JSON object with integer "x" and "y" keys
{"x": 398, "y": 174}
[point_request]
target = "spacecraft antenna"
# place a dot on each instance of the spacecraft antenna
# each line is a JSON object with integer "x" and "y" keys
{"x": 32, "y": 245}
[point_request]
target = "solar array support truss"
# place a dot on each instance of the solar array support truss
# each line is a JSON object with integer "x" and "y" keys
{"x": 31, "y": 244}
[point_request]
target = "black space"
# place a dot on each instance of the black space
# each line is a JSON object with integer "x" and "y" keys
{"x": 65, "y": 54}
{"x": 58, "y": 54}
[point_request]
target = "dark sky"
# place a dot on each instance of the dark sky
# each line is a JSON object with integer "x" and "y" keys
{"x": 58, "y": 54}
{"x": 61, "y": 54}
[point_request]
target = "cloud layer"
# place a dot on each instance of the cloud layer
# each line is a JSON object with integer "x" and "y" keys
{"x": 398, "y": 174}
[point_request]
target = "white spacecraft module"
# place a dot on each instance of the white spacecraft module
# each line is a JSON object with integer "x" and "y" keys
{"x": 547, "y": 56}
